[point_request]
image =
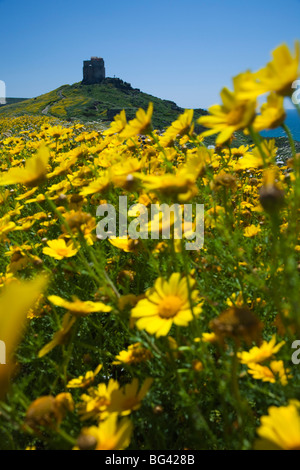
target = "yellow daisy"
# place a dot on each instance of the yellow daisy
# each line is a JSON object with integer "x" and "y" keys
{"x": 109, "y": 435}
{"x": 133, "y": 355}
{"x": 78, "y": 307}
{"x": 278, "y": 75}
{"x": 280, "y": 429}
{"x": 262, "y": 353}
{"x": 272, "y": 113}
{"x": 59, "y": 249}
{"x": 167, "y": 303}
{"x": 234, "y": 114}
{"x": 34, "y": 172}
{"x": 251, "y": 231}
{"x": 271, "y": 374}
{"x": 129, "y": 397}
{"x": 140, "y": 125}
{"x": 84, "y": 381}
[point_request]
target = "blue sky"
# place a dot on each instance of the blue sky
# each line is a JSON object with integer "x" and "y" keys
{"x": 185, "y": 51}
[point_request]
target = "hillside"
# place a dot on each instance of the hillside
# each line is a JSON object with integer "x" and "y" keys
{"x": 101, "y": 102}
{"x": 97, "y": 102}
{"x": 12, "y": 101}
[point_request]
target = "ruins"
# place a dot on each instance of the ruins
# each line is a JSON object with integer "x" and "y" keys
{"x": 93, "y": 71}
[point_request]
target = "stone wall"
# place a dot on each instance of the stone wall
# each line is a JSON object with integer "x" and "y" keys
{"x": 93, "y": 71}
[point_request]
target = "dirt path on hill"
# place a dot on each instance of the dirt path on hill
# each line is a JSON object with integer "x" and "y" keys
{"x": 45, "y": 111}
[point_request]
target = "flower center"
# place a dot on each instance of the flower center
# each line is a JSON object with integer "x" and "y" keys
{"x": 169, "y": 306}
{"x": 62, "y": 251}
{"x": 286, "y": 89}
{"x": 236, "y": 115}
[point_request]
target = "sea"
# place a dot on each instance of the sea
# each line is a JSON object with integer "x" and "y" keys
{"x": 292, "y": 121}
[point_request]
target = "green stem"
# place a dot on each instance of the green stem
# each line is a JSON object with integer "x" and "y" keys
{"x": 66, "y": 437}
{"x": 242, "y": 408}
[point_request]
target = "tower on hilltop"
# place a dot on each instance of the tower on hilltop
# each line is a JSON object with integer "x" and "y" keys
{"x": 93, "y": 71}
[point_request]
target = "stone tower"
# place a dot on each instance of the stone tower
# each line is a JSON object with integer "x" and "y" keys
{"x": 93, "y": 71}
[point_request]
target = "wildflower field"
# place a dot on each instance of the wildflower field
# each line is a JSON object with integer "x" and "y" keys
{"x": 118, "y": 343}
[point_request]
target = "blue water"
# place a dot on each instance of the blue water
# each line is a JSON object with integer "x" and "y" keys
{"x": 292, "y": 121}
